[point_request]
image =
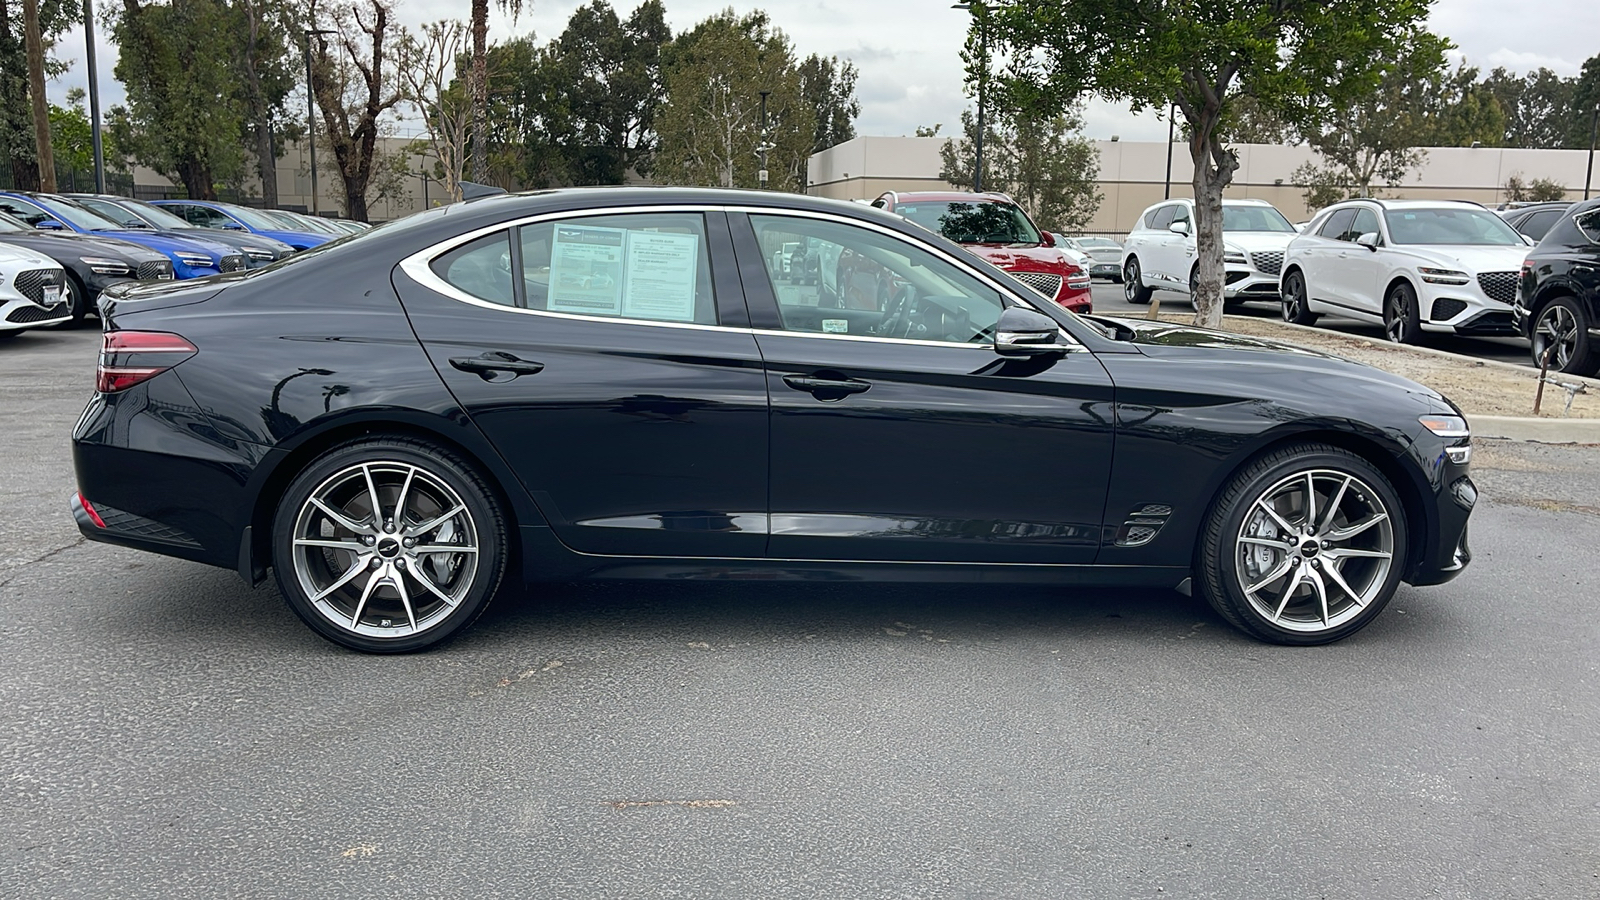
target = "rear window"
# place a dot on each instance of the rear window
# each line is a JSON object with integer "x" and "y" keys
{"x": 973, "y": 222}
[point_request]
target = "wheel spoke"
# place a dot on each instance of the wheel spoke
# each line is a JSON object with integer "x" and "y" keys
{"x": 1321, "y": 589}
{"x": 1283, "y": 602}
{"x": 445, "y": 548}
{"x": 352, "y": 546}
{"x": 1333, "y": 573}
{"x": 340, "y": 519}
{"x": 366, "y": 592}
{"x": 438, "y": 520}
{"x": 1311, "y": 501}
{"x": 1285, "y": 546}
{"x": 1333, "y": 507}
{"x": 1281, "y": 570}
{"x": 372, "y": 492}
{"x": 1343, "y": 553}
{"x": 400, "y": 504}
{"x": 427, "y": 584}
{"x": 350, "y": 573}
{"x": 399, "y": 582}
{"x": 1282, "y": 522}
{"x": 1350, "y": 531}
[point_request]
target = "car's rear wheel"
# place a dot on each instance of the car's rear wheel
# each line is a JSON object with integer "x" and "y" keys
{"x": 1402, "y": 323}
{"x": 388, "y": 545}
{"x": 1133, "y": 289}
{"x": 1296, "y": 305}
{"x": 1306, "y": 545}
{"x": 1561, "y": 338}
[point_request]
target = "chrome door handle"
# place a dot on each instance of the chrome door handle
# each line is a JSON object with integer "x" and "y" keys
{"x": 488, "y": 365}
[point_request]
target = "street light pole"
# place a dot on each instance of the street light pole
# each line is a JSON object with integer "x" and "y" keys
{"x": 1594, "y": 131}
{"x": 761, "y": 174}
{"x": 311, "y": 114}
{"x": 1172, "y": 123}
{"x": 983, "y": 79}
{"x": 94, "y": 99}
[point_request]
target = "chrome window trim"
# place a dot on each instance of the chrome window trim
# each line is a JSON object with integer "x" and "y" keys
{"x": 418, "y": 268}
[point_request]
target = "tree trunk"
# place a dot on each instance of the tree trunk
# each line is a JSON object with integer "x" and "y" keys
{"x": 1213, "y": 170}
{"x": 479, "y": 84}
{"x": 196, "y": 178}
{"x": 267, "y": 164}
{"x": 41, "y": 104}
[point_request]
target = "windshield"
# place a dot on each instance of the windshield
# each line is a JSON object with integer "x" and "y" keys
{"x": 111, "y": 211}
{"x": 77, "y": 216}
{"x": 973, "y": 222}
{"x": 252, "y": 218}
{"x": 1254, "y": 218}
{"x": 157, "y": 216}
{"x": 1450, "y": 226}
{"x": 1104, "y": 244}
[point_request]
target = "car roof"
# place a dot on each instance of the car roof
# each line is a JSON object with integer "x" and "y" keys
{"x": 1413, "y": 204}
{"x": 949, "y": 196}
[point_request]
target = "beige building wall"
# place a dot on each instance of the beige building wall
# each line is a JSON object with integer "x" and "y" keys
{"x": 1133, "y": 174}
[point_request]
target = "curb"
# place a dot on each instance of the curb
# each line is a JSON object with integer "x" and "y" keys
{"x": 1544, "y": 431}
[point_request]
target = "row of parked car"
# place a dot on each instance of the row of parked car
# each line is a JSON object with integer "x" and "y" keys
{"x": 59, "y": 252}
{"x": 1413, "y": 266}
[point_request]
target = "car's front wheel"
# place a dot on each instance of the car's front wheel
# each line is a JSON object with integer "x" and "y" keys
{"x": 1402, "y": 322}
{"x": 1133, "y": 289}
{"x": 1561, "y": 339}
{"x": 388, "y": 545}
{"x": 1306, "y": 545}
{"x": 1296, "y": 305}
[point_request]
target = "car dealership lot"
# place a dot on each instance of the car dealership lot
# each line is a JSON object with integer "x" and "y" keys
{"x": 166, "y": 731}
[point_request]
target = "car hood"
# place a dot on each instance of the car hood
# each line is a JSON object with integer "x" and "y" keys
{"x": 157, "y": 240}
{"x": 300, "y": 240}
{"x": 1025, "y": 259}
{"x": 1469, "y": 258}
{"x": 70, "y": 244}
{"x": 1258, "y": 241}
{"x": 1157, "y": 339}
{"x": 18, "y": 257}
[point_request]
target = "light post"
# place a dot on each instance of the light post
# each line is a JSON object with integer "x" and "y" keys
{"x": 94, "y": 99}
{"x": 1172, "y": 124}
{"x": 983, "y": 79}
{"x": 311, "y": 113}
{"x": 1594, "y": 131}
{"x": 763, "y": 146}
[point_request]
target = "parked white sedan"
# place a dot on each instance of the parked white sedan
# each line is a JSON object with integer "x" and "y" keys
{"x": 1160, "y": 251}
{"x": 33, "y": 290}
{"x": 1412, "y": 265}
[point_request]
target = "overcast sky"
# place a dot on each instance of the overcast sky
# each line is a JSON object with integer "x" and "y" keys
{"x": 908, "y": 51}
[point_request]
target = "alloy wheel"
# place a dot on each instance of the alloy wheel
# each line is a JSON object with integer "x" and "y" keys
{"x": 385, "y": 549}
{"x": 1556, "y": 334}
{"x": 1293, "y": 298}
{"x": 1315, "y": 550}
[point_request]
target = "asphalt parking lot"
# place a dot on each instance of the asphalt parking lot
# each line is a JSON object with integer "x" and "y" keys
{"x": 1108, "y": 299}
{"x": 166, "y": 731}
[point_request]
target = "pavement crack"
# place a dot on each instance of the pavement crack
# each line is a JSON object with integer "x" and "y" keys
{"x": 18, "y": 569}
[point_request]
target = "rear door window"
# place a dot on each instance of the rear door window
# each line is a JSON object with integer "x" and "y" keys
{"x": 1338, "y": 224}
{"x": 645, "y": 266}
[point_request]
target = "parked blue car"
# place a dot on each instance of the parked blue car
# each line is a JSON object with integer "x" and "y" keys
{"x": 228, "y": 217}
{"x": 190, "y": 258}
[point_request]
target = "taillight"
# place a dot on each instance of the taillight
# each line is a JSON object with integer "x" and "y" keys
{"x": 130, "y": 357}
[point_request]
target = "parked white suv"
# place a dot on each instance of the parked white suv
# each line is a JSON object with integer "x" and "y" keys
{"x": 33, "y": 290}
{"x": 1159, "y": 253}
{"x": 1412, "y": 265}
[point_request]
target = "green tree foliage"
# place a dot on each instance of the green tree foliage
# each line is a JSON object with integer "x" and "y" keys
{"x": 260, "y": 37}
{"x": 1535, "y": 106}
{"x": 17, "y": 138}
{"x": 1043, "y": 162}
{"x": 613, "y": 81}
{"x": 1538, "y": 190}
{"x": 73, "y": 138}
{"x": 828, "y": 85}
{"x": 1585, "y": 98}
{"x": 1299, "y": 59}
{"x": 710, "y": 126}
{"x": 356, "y": 81}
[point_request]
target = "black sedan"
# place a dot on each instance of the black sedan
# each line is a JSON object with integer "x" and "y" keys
{"x": 1558, "y": 297}
{"x": 615, "y": 384}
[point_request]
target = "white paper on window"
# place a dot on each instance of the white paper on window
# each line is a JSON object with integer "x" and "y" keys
{"x": 586, "y": 269}
{"x": 661, "y": 276}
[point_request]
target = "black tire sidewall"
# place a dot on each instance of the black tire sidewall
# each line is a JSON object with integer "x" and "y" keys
{"x": 1219, "y": 576}
{"x": 1133, "y": 289}
{"x": 1585, "y": 356}
{"x": 1410, "y": 316}
{"x": 442, "y": 464}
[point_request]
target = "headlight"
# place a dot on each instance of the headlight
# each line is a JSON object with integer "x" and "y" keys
{"x": 1233, "y": 256}
{"x": 1446, "y": 426}
{"x": 196, "y": 260}
{"x": 102, "y": 266}
{"x": 1443, "y": 276}
{"x": 259, "y": 253}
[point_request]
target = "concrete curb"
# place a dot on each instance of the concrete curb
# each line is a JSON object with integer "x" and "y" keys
{"x": 1544, "y": 431}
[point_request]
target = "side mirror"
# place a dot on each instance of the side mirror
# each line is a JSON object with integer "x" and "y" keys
{"x": 1024, "y": 332}
{"x": 1528, "y": 239}
{"x": 232, "y": 226}
{"x": 1370, "y": 241}
{"x": 50, "y": 225}
{"x": 1179, "y": 228}
{"x": 1049, "y": 239}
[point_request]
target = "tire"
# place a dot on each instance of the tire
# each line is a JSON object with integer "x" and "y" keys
{"x": 1133, "y": 289}
{"x": 1296, "y": 300}
{"x": 81, "y": 303}
{"x": 1260, "y": 570}
{"x": 1563, "y": 329}
{"x": 387, "y": 587}
{"x": 1402, "y": 323}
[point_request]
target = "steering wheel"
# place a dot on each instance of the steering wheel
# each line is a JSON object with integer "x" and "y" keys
{"x": 897, "y": 314}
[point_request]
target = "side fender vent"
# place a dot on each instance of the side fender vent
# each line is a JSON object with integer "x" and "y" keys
{"x": 1143, "y": 524}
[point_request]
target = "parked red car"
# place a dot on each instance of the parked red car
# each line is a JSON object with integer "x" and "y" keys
{"x": 993, "y": 226}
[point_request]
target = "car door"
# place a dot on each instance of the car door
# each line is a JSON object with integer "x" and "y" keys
{"x": 611, "y": 364}
{"x": 1161, "y": 247}
{"x": 1179, "y": 250}
{"x": 1319, "y": 257}
{"x": 1358, "y": 273}
{"x": 897, "y": 433}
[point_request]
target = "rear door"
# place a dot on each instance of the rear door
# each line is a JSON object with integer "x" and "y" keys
{"x": 609, "y": 360}
{"x": 897, "y": 433}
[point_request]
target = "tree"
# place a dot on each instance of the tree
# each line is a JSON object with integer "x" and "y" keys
{"x": 829, "y": 87}
{"x": 478, "y": 81}
{"x": 261, "y": 59}
{"x": 1585, "y": 97}
{"x": 1535, "y": 106}
{"x": 72, "y": 137}
{"x": 18, "y": 138}
{"x": 1537, "y": 191}
{"x": 1299, "y": 59}
{"x": 1043, "y": 162}
{"x": 431, "y": 86}
{"x": 613, "y": 82}
{"x": 183, "y": 116}
{"x": 1248, "y": 122}
{"x": 710, "y": 125}
{"x": 354, "y": 89}
{"x": 33, "y": 38}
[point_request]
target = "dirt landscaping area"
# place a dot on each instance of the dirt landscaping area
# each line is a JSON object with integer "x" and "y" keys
{"x": 1479, "y": 387}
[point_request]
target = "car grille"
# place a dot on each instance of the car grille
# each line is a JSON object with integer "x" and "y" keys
{"x": 1500, "y": 286}
{"x": 25, "y": 315}
{"x": 1270, "y": 262}
{"x": 159, "y": 270}
{"x": 1048, "y": 285}
{"x": 1447, "y": 308}
{"x": 31, "y": 283}
{"x": 231, "y": 264}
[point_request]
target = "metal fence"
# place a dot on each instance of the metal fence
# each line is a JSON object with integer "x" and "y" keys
{"x": 70, "y": 180}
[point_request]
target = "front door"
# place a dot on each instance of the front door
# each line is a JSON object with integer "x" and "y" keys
{"x": 612, "y": 367}
{"x": 1358, "y": 276}
{"x": 897, "y": 433}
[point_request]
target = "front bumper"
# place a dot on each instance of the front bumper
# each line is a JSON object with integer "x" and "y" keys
{"x": 20, "y": 313}
{"x": 1464, "y": 309}
{"x": 1244, "y": 282}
